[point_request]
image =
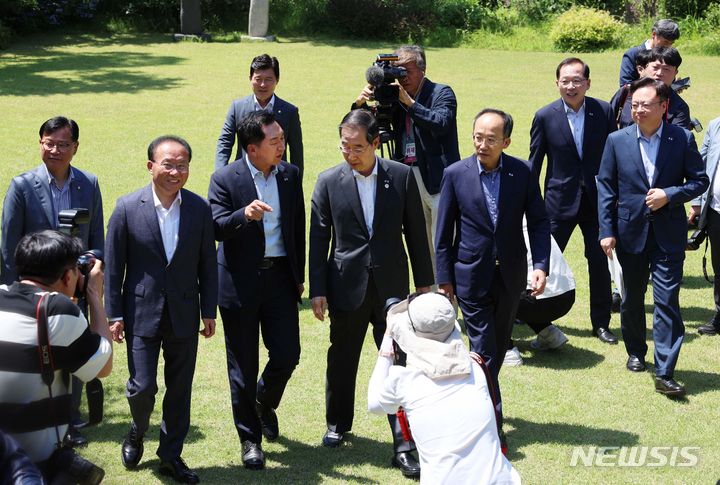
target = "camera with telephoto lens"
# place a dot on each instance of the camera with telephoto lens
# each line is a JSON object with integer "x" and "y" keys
{"x": 382, "y": 76}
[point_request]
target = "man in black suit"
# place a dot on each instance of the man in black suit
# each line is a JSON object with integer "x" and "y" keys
{"x": 664, "y": 33}
{"x": 258, "y": 207}
{"x": 161, "y": 277}
{"x": 360, "y": 210}
{"x": 571, "y": 133}
{"x": 264, "y": 78}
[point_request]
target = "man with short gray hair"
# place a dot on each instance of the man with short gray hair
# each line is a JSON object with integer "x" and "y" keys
{"x": 664, "y": 33}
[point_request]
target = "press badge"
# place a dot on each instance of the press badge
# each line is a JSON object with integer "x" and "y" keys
{"x": 410, "y": 153}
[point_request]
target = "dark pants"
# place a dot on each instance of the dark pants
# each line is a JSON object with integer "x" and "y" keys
{"x": 713, "y": 230}
{"x": 598, "y": 273}
{"x": 275, "y": 314}
{"x": 668, "y": 328}
{"x": 489, "y": 321}
{"x": 179, "y": 355}
{"x": 347, "y": 335}
{"x": 540, "y": 313}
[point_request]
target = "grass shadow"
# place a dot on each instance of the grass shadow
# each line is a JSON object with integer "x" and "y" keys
{"x": 694, "y": 282}
{"x": 566, "y": 357}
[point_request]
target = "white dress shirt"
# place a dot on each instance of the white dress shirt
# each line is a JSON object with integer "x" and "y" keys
{"x": 169, "y": 221}
{"x": 268, "y": 107}
{"x": 366, "y": 189}
{"x": 267, "y": 191}
{"x": 649, "y": 150}
{"x": 576, "y": 120}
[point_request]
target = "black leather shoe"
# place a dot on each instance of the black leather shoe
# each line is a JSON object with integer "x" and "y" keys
{"x": 616, "y": 301}
{"x": 268, "y": 421}
{"x": 407, "y": 464}
{"x": 635, "y": 364}
{"x": 74, "y": 439}
{"x": 668, "y": 386}
{"x": 179, "y": 471}
{"x": 132, "y": 448}
{"x": 710, "y": 328}
{"x": 252, "y": 455}
{"x": 332, "y": 439}
{"x": 606, "y": 336}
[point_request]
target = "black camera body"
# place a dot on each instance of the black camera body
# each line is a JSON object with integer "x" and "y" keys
{"x": 382, "y": 76}
{"x": 696, "y": 239}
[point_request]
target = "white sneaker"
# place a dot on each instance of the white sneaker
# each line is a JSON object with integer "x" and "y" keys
{"x": 513, "y": 358}
{"x": 549, "y": 338}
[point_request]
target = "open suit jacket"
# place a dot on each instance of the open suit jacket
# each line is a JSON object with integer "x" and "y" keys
{"x": 242, "y": 242}
{"x": 623, "y": 185}
{"x": 139, "y": 280}
{"x": 466, "y": 238}
{"x": 341, "y": 249}
{"x": 710, "y": 151}
{"x": 551, "y": 136}
{"x": 286, "y": 115}
{"x": 28, "y": 208}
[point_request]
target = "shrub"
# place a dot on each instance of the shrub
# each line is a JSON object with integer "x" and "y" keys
{"x": 5, "y": 35}
{"x": 584, "y": 30}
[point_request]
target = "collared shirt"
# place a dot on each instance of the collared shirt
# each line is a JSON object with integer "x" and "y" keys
{"x": 649, "y": 150}
{"x": 267, "y": 191}
{"x": 490, "y": 180}
{"x": 576, "y": 120}
{"x": 268, "y": 107}
{"x": 60, "y": 196}
{"x": 366, "y": 190}
{"x": 169, "y": 221}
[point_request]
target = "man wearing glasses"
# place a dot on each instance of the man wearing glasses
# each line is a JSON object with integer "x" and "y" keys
{"x": 571, "y": 134}
{"x": 32, "y": 204}
{"x": 648, "y": 172}
{"x": 160, "y": 280}
{"x": 360, "y": 211}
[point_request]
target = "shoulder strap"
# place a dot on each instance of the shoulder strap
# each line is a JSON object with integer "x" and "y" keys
{"x": 47, "y": 365}
{"x": 623, "y": 98}
{"x": 491, "y": 386}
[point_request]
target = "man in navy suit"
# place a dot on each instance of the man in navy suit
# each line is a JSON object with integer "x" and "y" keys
{"x": 480, "y": 248}
{"x": 160, "y": 279}
{"x": 259, "y": 213}
{"x": 664, "y": 33}
{"x": 33, "y": 202}
{"x": 571, "y": 133}
{"x": 648, "y": 172}
{"x": 264, "y": 77}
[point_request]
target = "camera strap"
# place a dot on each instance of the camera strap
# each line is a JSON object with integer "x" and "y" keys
{"x": 47, "y": 364}
{"x": 491, "y": 386}
{"x": 704, "y": 261}
{"x": 623, "y": 97}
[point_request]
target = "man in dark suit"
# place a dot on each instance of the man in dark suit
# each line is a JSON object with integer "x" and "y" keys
{"x": 259, "y": 212}
{"x": 571, "y": 133}
{"x": 360, "y": 210}
{"x": 32, "y": 204}
{"x": 264, "y": 77}
{"x": 160, "y": 278}
{"x": 647, "y": 173}
{"x": 480, "y": 248}
{"x": 664, "y": 33}
{"x": 424, "y": 130}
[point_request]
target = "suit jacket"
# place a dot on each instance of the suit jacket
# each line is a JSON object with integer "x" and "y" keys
{"x": 139, "y": 280}
{"x": 678, "y": 110}
{"x": 28, "y": 208}
{"x": 467, "y": 246}
{"x": 551, "y": 136}
{"x": 242, "y": 242}
{"x": 628, "y": 65}
{"x": 623, "y": 185}
{"x": 286, "y": 115}
{"x": 341, "y": 250}
{"x": 710, "y": 152}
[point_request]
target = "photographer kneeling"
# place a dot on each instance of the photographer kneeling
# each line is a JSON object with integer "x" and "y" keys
{"x": 40, "y": 319}
{"x": 444, "y": 393}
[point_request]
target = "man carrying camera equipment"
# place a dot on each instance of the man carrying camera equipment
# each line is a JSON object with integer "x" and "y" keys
{"x": 40, "y": 319}
{"x": 707, "y": 207}
{"x": 424, "y": 128}
{"x": 161, "y": 278}
{"x": 445, "y": 391}
{"x": 33, "y": 203}
{"x": 664, "y": 33}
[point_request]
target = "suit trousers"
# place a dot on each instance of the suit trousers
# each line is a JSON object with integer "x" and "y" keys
{"x": 668, "y": 328}
{"x": 489, "y": 321}
{"x": 347, "y": 335}
{"x": 430, "y": 204}
{"x": 179, "y": 355}
{"x": 275, "y": 314}
{"x": 600, "y": 289}
{"x": 713, "y": 230}
{"x": 539, "y": 313}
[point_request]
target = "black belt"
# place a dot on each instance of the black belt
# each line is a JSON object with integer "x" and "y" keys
{"x": 267, "y": 263}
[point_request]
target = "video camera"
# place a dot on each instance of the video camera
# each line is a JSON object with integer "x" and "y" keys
{"x": 382, "y": 76}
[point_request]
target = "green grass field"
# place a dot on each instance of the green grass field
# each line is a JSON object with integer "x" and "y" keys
{"x": 125, "y": 91}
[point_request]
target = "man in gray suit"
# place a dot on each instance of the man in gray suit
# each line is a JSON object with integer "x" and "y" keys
{"x": 264, "y": 77}
{"x": 160, "y": 278}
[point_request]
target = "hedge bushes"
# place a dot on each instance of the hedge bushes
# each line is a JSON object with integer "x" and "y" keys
{"x": 584, "y": 30}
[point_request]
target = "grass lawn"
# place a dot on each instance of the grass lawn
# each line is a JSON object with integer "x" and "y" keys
{"x": 125, "y": 91}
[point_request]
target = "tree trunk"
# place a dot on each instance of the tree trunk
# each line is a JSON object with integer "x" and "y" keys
{"x": 259, "y": 18}
{"x": 190, "y": 17}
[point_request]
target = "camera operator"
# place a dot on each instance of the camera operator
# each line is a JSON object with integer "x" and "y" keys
{"x": 46, "y": 263}
{"x": 424, "y": 130}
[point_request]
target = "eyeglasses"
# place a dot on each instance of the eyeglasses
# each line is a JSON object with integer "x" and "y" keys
{"x": 169, "y": 167}
{"x": 489, "y": 141}
{"x": 353, "y": 150}
{"x": 566, "y": 83}
{"x": 50, "y": 145}
{"x": 643, "y": 106}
